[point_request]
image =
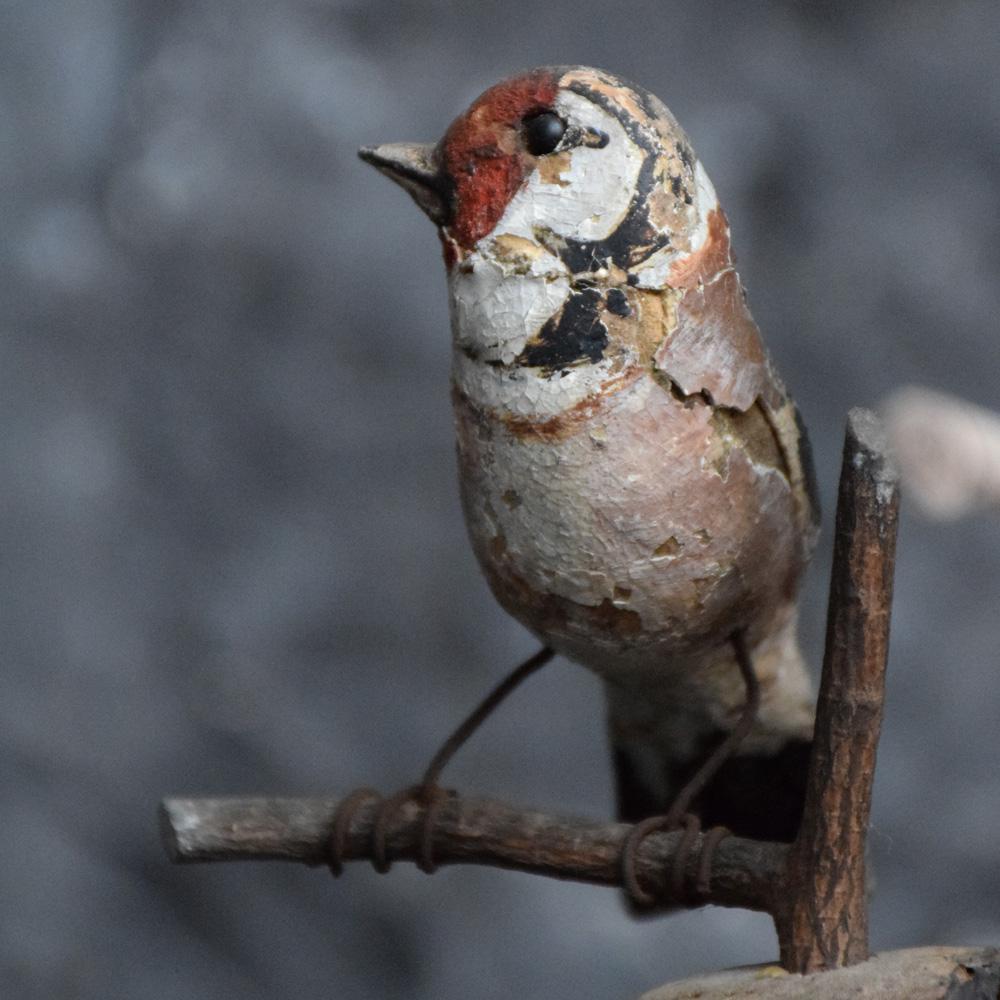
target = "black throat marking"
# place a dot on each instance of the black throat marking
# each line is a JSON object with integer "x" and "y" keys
{"x": 575, "y": 334}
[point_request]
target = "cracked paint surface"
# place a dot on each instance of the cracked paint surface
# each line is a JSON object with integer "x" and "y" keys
{"x": 660, "y": 485}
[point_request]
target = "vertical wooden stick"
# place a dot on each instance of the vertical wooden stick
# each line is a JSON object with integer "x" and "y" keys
{"x": 824, "y": 921}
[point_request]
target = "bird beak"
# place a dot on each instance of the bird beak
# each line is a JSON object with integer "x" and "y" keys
{"x": 413, "y": 166}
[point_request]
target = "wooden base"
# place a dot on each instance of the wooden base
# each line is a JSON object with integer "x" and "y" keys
{"x": 935, "y": 973}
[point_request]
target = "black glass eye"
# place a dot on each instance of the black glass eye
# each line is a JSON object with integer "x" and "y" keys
{"x": 542, "y": 132}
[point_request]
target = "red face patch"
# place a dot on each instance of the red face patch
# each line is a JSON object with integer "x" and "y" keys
{"x": 482, "y": 154}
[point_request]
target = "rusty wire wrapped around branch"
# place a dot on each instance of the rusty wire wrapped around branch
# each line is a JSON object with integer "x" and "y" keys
{"x": 745, "y": 873}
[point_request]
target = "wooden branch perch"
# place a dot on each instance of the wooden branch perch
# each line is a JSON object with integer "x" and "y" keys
{"x": 467, "y": 831}
{"x": 814, "y": 889}
{"x": 823, "y": 920}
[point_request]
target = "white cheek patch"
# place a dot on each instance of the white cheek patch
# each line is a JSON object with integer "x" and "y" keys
{"x": 654, "y": 271}
{"x": 496, "y": 306}
{"x": 592, "y": 195}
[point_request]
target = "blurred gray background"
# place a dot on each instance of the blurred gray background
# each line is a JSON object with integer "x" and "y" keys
{"x": 232, "y": 554}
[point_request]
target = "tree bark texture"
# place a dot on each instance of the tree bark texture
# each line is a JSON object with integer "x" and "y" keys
{"x": 823, "y": 923}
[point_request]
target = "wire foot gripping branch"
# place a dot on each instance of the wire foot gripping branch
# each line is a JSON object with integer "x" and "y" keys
{"x": 679, "y": 814}
{"x": 428, "y": 793}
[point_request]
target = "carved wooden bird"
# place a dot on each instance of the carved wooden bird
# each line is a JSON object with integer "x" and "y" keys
{"x": 636, "y": 482}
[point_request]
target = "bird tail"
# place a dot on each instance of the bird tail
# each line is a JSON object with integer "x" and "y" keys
{"x": 661, "y": 734}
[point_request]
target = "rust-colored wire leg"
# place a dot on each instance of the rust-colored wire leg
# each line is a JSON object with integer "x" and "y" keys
{"x": 679, "y": 813}
{"x": 691, "y": 825}
{"x": 428, "y": 793}
{"x": 342, "y": 817}
{"x": 430, "y": 798}
{"x": 703, "y": 883}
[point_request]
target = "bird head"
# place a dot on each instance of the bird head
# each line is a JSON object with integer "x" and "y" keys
{"x": 580, "y": 232}
{"x": 577, "y": 162}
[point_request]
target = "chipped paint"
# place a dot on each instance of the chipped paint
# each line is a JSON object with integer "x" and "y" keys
{"x": 664, "y": 268}
{"x": 692, "y": 528}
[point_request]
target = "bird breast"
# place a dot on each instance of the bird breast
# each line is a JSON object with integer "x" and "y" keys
{"x": 634, "y": 526}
